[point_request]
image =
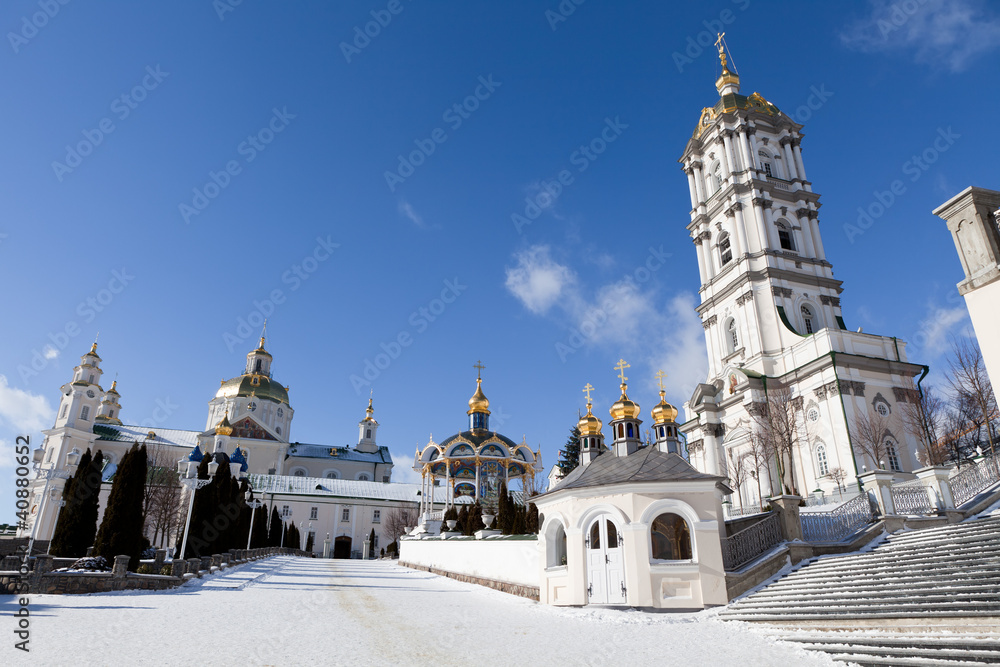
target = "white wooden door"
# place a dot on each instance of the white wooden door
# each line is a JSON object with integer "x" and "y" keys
{"x": 605, "y": 567}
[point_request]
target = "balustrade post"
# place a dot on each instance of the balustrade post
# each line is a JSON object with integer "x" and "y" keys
{"x": 935, "y": 478}
{"x": 787, "y": 508}
{"x": 878, "y": 483}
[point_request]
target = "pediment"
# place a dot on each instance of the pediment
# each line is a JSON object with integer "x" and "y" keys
{"x": 249, "y": 428}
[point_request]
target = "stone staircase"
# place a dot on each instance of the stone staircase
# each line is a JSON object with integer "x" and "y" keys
{"x": 925, "y": 597}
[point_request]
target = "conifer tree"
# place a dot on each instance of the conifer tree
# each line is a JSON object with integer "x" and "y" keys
{"x": 309, "y": 543}
{"x": 505, "y": 511}
{"x": 90, "y": 505}
{"x": 371, "y": 543}
{"x": 531, "y": 520}
{"x": 569, "y": 455}
{"x": 259, "y": 538}
{"x": 275, "y": 529}
{"x": 122, "y": 527}
{"x": 64, "y": 537}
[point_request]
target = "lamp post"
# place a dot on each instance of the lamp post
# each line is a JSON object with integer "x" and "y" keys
{"x": 253, "y": 503}
{"x": 193, "y": 484}
{"x": 48, "y": 474}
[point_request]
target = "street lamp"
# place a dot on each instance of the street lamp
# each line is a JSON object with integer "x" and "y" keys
{"x": 48, "y": 474}
{"x": 193, "y": 484}
{"x": 253, "y": 503}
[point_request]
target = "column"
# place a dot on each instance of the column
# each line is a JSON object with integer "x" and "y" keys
{"x": 702, "y": 271}
{"x": 447, "y": 485}
{"x": 817, "y": 239}
{"x": 741, "y": 225}
{"x": 724, "y": 158}
{"x": 748, "y": 160}
{"x": 806, "y": 234}
{"x": 692, "y": 188}
{"x": 793, "y": 172}
{"x": 699, "y": 184}
{"x": 727, "y": 143}
{"x": 476, "y": 497}
{"x": 739, "y": 233}
{"x": 765, "y": 226}
{"x": 706, "y": 239}
{"x": 753, "y": 146}
{"x": 797, "y": 150}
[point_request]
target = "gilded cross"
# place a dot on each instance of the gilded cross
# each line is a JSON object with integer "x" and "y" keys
{"x": 621, "y": 369}
{"x": 587, "y": 391}
{"x": 718, "y": 42}
{"x": 479, "y": 369}
{"x": 659, "y": 378}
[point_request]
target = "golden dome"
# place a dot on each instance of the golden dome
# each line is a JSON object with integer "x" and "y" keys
{"x": 224, "y": 427}
{"x": 479, "y": 402}
{"x": 369, "y": 411}
{"x": 589, "y": 424}
{"x": 258, "y": 385}
{"x": 624, "y": 408}
{"x": 663, "y": 412}
{"x": 113, "y": 390}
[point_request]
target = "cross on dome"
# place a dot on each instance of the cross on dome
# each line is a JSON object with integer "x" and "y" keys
{"x": 589, "y": 388}
{"x": 660, "y": 375}
{"x": 621, "y": 369}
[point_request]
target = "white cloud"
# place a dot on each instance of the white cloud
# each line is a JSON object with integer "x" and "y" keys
{"x": 406, "y": 210}
{"x": 23, "y": 411}
{"x": 538, "y": 281}
{"x": 402, "y": 469}
{"x": 943, "y": 33}
{"x": 51, "y": 352}
{"x": 682, "y": 350}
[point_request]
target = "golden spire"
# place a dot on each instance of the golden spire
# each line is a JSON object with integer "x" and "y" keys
{"x": 728, "y": 82}
{"x": 369, "y": 411}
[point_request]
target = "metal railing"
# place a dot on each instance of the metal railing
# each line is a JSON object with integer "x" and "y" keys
{"x": 732, "y": 512}
{"x": 746, "y": 545}
{"x": 967, "y": 483}
{"x": 911, "y": 499}
{"x": 837, "y": 524}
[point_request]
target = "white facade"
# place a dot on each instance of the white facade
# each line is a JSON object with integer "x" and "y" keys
{"x": 770, "y": 306}
{"x": 973, "y": 216}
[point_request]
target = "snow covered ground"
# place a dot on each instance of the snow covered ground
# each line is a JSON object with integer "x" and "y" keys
{"x": 296, "y": 611}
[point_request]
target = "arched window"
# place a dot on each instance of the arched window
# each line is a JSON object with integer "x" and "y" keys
{"x": 808, "y": 320}
{"x": 556, "y": 546}
{"x": 364, "y": 477}
{"x": 64, "y": 410}
{"x": 822, "y": 466}
{"x": 368, "y": 433}
{"x": 892, "y": 456}
{"x": 725, "y": 249}
{"x": 299, "y": 472}
{"x": 732, "y": 337}
{"x": 765, "y": 162}
{"x": 785, "y": 236}
{"x": 332, "y": 474}
{"x": 257, "y": 367}
{"x": 621, "y": 431}
{"x": 85, "y": 413}
{"x": 629, "y": 427}
{"x": 671, "y": 538}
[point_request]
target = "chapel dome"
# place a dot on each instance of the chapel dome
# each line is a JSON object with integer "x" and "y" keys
{"x": 624, "y": 407}
{"x": 253, "y": 385}
{"x": 589, "y": 424}
{"x": 479, "y": 402}
{"x": 663, "y": 412}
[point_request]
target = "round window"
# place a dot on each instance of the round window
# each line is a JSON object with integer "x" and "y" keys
{"x": 813, "y": 414}
{"x": 882, "y": 409}
{"x": 90, "y": 393}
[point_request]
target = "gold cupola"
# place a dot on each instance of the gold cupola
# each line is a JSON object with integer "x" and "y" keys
{"x": 369, "y": 412}
{"x": 589, "y": 424}
{"x": 624, "y": 407}
{"x": 663, "y": 412}
{"x": 479, "y": 402}
{"x": 224, "y": 427}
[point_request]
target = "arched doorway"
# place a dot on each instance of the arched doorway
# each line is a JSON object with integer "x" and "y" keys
{"x": 605, "y": 569}
{"x": 342, "y": 547}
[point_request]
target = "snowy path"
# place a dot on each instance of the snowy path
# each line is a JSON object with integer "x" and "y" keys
{"x": 293, "y": 611}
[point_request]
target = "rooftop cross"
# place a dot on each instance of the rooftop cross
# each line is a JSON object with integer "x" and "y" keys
{"x": 659, "y": 377}
{"x": 587, "y": 391}
{"x": 621, "y": 369}
{"x": 479, "y": 369}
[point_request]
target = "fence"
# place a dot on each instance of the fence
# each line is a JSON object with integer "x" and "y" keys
{"x": 732, "y": 512}
{"x": 967, "y": 483}
{"x": 837, "y": 524}
{"x": 749, "y": 543}
{"x": 912, "y": 498}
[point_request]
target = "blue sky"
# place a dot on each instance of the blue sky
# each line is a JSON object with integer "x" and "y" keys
{"x": 245, "y": 173}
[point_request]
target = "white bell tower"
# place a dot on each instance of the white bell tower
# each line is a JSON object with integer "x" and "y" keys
{"x": 367, "y": 429}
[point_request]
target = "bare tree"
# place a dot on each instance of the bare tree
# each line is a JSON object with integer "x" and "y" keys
{"x": 869, "y": 432}
{"x": 738, "y": 469}
{"x": 757, "y": 458}
{"x": 397, "y": 521}
{"x": 968, "y": 376}
{"x": 922, "y": 413}
{"x": 775, "y": 422}
{"x": 838, "y": 475}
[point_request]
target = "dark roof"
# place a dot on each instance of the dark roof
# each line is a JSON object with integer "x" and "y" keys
{"x": 478, "y": 437}
{"x": 646, "y": 465}
{"x": 306, "y": 451}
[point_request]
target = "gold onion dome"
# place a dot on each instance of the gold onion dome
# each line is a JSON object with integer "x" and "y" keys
{"x": 663, "y": 412}
{"x": 224, "y": 427}
{"x": 624, "y": 408}
{"x": 113, "y": 390}
{"x": 369, "y": 411}
{"x": 589, "y": 424}
{"x": 479, "y": 402}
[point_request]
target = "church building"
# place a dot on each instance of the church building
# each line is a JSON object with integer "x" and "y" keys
{"x": 771, "y": 310}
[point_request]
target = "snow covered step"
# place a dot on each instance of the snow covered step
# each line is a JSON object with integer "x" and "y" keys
{"x": 833, "y": 619}
{"x": 988, "y": 645}
{"x": 981, "y": 549}
{"x": 873, "y": 590}
{"x": 873, "y": 598}
{"x": 959, "y": 579}
{"x": 919, "y": 651}
{"x": 902, "y": 566}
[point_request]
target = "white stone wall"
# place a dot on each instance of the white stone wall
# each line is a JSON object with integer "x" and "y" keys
{"x": 514, "y": 561}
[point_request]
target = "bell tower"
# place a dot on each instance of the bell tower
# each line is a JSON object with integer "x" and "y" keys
{"x": 765, "y": 279}
{"x": 367, "y": 429}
